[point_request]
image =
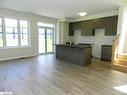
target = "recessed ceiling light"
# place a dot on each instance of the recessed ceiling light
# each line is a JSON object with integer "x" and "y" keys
{"x": 82, "y": 13}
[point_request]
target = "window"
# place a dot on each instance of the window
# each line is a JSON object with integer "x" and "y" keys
{"x": 14, "y": 32}
{"x": 1, "y": 34}
{"x": 11, "y": 32}
{"x": 45, "y": 25}
{"x": 24, "y": 32}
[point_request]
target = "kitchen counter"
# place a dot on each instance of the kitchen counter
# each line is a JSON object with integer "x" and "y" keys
{"x": 80, "y": 55}
{"x": 75, "y": 46}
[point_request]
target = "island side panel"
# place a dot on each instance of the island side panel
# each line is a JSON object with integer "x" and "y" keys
{"x": 74, "y": 55}
{"x": 88, "y": 55}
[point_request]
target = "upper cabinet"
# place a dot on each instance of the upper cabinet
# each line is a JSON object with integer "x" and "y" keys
{"x": 99, "y": 23}
{"x": 111, "y": 25}
{"x": 84, "y": 28}
{"x": 74, "y": 26}
{"x": 71, "y": 29}
{"x": 115, "y": 22}
{"x": 77, "y": 26}
{"x": 88, "y": 27}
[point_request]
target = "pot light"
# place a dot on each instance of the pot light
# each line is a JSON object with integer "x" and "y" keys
{"x": 82, "y": 13}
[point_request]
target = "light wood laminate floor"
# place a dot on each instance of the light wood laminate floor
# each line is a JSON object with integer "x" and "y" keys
{"x": 44, "y": 75}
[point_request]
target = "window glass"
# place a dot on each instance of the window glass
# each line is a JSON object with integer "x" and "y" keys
{"x": 24, "y": 32}
{"x": 41, "y": 31}
{"x": 0, "y": 25}
{"x": 12, "y": 39}
{"x": 1, "y": 29}
{"x": 1, "y": 40}
{"x": 0, "y": 21}
{"x": 11, "y": 32}
{"x": 10, "y": 22}
{"x": 1, "y": 34}
{"x": 45, "y": 25}
{"x": 42, "y": 40}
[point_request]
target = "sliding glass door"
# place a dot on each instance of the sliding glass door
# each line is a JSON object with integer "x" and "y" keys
{"x": 42, "y": 41}
{"x": 46, "y": 40}
{"x": 49, "y": 40}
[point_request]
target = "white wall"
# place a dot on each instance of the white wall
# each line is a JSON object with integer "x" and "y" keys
{"x": 122, "y": 29}
{"x": 10, "y": 53}
{"x": 101, "y": 39}
{"x": 63, "y": 32}
{"x": 98, "y": 40}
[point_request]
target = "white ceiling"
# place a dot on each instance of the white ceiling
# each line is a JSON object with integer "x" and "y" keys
{"x": 61, "y": 8}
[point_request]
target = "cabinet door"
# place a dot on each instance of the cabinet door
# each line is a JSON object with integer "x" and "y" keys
{"x": 99, "y": 23}
{"x": 77, "y": 26}
{"x": 115, "y": 21}
{"x": 90, "y": 28}
{"x": 71, "y": 29}
{"x": 109, "y": 26}
{"x": 84, "y": 28}
{"x": 106, "y": 52}
{"x": 102, "y": 23}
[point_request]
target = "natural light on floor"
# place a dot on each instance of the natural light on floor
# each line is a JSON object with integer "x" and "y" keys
{"x": 122, "y": 88}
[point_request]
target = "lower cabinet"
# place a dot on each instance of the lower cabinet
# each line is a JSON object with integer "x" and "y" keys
{"x": 106, "y": 52}
{"x": 77, "y": 55}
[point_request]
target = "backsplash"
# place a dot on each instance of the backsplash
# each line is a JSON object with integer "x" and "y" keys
{"x": 98, "y": 40}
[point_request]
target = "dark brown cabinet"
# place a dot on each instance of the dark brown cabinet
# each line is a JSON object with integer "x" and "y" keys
{"x": 71, "y": 29}
{"x": 74, "y": 26}
{"x": 77, "y": 26}
{"x": 77, "y": 55}
{"x": 99, "y": 23}
{"x": 106, "y": 52}
{"x": 115, "y": 22}
{"x": 88, "y": 27}
{"x": 111, "y": 25}
{"x": 84, "y": 28}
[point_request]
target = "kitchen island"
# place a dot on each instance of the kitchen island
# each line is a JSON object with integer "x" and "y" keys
{"x": 80, "y": 55}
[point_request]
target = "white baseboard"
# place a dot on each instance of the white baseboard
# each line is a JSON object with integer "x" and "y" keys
{"x": 18, "y": 57}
